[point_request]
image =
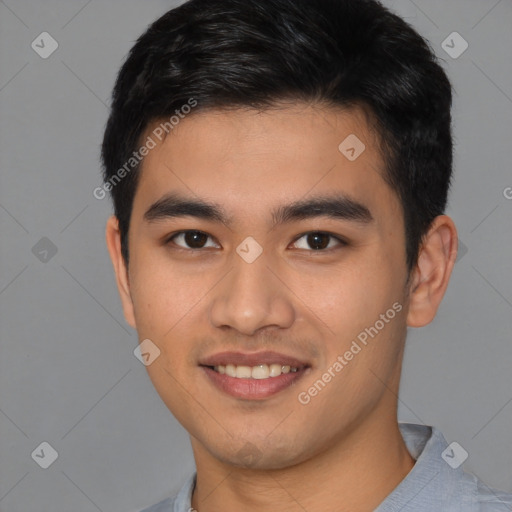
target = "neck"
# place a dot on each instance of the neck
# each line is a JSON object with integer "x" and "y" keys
{"x": 356, "y": 474}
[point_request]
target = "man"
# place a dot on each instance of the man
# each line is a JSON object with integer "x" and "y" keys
{"x": 279, "y": 171}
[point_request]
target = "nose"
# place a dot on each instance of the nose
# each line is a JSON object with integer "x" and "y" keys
{"x": 251, "y": 297}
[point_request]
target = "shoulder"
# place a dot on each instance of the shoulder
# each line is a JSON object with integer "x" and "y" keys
{"x": 438, "y": 480}
{"x": 489, "y": 499}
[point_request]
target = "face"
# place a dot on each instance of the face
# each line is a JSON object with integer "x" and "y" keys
{"x": 268, "y": 267}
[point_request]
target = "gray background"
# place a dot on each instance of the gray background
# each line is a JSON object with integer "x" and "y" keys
{"x": 68, "y": 375}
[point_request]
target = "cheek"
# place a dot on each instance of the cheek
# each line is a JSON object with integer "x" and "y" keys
{"x": 162, "y": 293}
{"x": 170, "y": 309}
{"x": 364, "y": 310}
{"x": 348, "y": 301}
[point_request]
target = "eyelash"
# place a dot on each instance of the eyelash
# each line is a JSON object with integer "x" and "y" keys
{"x": 341, "y": 242}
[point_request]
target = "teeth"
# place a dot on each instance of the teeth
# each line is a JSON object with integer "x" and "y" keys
{"x": 275, "y": 370}
{"x": 261, "y": 371}
{"x": 243, "y": 372}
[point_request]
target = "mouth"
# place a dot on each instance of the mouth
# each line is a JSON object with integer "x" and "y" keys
{"x": 260, "y": 371}
{"x": 253, "y": 376}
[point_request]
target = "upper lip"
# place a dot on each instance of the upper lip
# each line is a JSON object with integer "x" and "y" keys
{"x": 251, "y": 359}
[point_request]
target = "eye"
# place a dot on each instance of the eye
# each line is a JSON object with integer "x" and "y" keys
{"x": 192, "y": 239}
{"x": 318, "y": 240}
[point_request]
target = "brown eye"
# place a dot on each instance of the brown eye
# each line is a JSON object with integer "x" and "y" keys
{"x": 317, "y": 241}
{"x": 191, "y": 239}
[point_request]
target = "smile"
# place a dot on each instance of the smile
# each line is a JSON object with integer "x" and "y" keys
{"x": 254, "y": 376}
{"x": 260, "y": 371}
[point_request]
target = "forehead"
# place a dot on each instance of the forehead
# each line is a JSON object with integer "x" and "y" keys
{"x": 253, "y": 160}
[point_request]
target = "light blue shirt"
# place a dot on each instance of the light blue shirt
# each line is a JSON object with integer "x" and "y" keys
{"x": 436, "y": 483}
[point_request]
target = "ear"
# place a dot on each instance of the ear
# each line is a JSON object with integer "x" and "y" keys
{"x": 113, "y": 238}
{"x": 432, "y": 272}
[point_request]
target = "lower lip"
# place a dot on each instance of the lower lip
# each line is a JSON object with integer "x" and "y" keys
{"x": 252, "y": 389}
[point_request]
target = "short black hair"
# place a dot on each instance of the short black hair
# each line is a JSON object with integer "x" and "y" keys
{"x": 239, "y": 53}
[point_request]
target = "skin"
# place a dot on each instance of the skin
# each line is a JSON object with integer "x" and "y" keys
{"x": 276, "y": 453}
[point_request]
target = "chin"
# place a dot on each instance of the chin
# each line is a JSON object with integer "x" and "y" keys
{"x": 259, "y": 455}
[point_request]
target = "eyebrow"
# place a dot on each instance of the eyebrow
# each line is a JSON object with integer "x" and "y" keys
{"x": 338, "y": 207}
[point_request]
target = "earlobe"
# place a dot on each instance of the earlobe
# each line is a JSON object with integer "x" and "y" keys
{"x": 432, "y": 272}
{"x": 113, "y": 239}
